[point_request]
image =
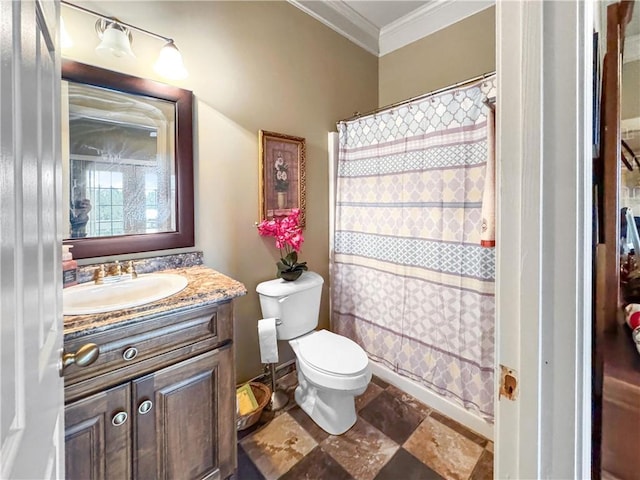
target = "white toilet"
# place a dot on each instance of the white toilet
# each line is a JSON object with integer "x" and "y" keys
{"x": 332, "y": 370}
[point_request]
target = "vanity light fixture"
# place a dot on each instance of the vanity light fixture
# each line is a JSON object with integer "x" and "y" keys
{"x": 116, "y": 39}
{"x": 169, "y": 63}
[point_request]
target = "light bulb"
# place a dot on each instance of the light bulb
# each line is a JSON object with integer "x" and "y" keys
{"x": 169, "y": 63}
{"x": 116, "y": 39}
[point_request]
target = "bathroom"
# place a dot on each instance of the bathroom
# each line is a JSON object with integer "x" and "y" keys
{"x": 263, "y": 65}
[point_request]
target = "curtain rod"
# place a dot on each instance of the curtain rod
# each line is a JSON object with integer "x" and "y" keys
{"x": 115, "y": 20}
{"x": 357, "y": 115}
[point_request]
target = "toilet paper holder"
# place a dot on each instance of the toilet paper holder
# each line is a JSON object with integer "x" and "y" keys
{"x": 279, "y": 398}
{"x": 267, "y": 334}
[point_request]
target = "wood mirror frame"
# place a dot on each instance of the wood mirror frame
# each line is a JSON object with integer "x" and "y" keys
{"x": 183, "y": 236}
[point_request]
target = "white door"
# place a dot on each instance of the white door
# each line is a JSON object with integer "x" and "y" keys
{"x": 543, "y": 252}
{"x": 31, "y": 391}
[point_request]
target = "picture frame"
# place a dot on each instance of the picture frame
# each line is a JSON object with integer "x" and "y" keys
{"x": 282, "y": 175}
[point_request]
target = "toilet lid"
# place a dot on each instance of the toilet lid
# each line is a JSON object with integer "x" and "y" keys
{"x": 333, "y": 353}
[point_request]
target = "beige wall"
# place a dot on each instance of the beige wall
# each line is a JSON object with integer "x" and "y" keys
{"x": 456, "y": 53}
{"x": 631, "y": 90}
{"x": 252, "y": 65}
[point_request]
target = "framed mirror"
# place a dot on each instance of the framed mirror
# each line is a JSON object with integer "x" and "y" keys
{"x": 127, "y": 155}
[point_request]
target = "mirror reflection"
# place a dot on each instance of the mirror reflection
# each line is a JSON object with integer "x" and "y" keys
{"x": 120, "y": 162}
{"x": 127, "y": 151}
{"x": 630, "y": 145}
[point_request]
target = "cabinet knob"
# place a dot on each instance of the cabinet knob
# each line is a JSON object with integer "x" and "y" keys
{"x": 84, "y": 356}
{"x": 119, "y": 419}
{"x": 145, "y": 407}
{"x": 130, "y": 353}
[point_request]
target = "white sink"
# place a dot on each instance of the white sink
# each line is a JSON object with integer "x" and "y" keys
{"x": 90, "y": 298}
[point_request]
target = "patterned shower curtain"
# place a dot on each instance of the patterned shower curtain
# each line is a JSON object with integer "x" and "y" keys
{"x": 411, "y": 283}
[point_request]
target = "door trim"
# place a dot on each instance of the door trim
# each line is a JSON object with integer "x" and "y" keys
{"x": 543, "y": 257}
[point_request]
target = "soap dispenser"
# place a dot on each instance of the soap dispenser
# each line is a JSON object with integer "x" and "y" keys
{"x": 69, "y": 267}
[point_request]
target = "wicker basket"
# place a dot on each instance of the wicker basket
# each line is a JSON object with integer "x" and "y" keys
{"x": 263, "y": 395}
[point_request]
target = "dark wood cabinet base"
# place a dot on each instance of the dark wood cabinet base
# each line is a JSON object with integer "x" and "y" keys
{"x": 170, "y": 416}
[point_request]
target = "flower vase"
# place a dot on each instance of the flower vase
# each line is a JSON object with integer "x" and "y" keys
{"x": 282, "y": 200}
{"x": 291, "y": 276}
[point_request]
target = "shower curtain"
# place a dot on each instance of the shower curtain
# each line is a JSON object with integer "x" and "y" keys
{"x": 411, "y": 282}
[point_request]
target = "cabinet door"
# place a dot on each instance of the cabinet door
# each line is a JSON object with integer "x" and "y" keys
{"x": 98, "y": 435}
{"x": 185, "y": 419}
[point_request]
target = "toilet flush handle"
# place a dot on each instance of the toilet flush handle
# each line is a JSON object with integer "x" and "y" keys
{"x": 283, "y": 299}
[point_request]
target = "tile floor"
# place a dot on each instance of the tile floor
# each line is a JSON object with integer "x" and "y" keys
{"x": 395, "y": 438}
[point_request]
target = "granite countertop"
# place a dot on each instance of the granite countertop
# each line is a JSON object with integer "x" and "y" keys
{"x": 205, "y": 287}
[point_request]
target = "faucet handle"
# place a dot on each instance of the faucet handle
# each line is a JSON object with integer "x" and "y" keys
{"x": 131, "y": 269}
{"x": 99, "y": 274}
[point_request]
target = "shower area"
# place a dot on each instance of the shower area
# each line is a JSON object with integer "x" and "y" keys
{"x": 412, "y": 246}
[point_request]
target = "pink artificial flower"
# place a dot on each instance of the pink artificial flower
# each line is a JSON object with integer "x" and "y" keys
{"x": 286, "y": 231}
{"x": 267, "y": 228}
{"x": 296, "y": 241}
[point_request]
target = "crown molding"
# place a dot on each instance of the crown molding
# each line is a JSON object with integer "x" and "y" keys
{"x": 338, "y": 16}
{"x": 434, "y": 16}
{"x": 426, "y": 20}
{"x": 632, "y": 48}
{"x": 353, "y": 16}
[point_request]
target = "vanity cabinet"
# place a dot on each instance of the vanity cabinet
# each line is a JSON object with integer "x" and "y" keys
{"x": 158, "y": 403}
{"x": 180, "y": 435}
{"x": 98, "y": 435}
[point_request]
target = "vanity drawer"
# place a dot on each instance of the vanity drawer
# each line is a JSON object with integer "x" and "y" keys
{"x": 124, "y": 346}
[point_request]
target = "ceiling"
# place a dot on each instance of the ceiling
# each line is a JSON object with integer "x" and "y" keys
{"x": 382, "y": 13}
{"x": 382, "y": 26}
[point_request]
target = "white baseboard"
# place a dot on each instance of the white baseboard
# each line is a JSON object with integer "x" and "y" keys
{"x": 433, "y": 400}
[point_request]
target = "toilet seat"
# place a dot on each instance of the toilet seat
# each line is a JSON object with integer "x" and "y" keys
{"x": 320, "y": 351}
{"x": 332, "y": 354}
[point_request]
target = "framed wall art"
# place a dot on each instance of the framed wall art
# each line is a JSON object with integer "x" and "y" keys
{"x": 282, "y": 175}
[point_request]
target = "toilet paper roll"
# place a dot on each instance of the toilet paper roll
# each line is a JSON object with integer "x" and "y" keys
{"x": 268, "y": 339}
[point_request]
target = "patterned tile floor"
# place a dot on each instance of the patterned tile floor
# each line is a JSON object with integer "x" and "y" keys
{"x": 395, "y": 438}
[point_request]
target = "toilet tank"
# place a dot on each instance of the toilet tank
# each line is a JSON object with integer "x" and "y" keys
{"x": 295, "y": 304}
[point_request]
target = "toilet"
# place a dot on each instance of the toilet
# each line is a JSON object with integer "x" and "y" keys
{"x": 332, "y": 369}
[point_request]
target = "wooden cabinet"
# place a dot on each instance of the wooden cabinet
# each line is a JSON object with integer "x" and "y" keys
{"x": 171, "y": 412}
{"x": 98, "y": 435}
{"x": 186, "y": 432}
